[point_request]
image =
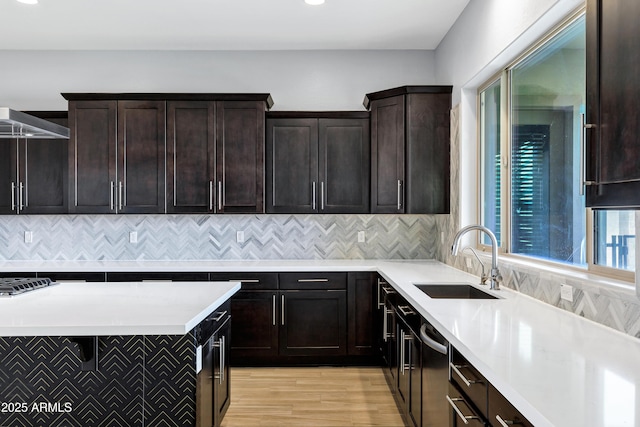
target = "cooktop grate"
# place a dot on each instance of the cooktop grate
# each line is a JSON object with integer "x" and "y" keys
{"x": 11, "y": 286}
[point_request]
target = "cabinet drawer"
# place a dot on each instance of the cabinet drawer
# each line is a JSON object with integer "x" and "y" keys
{"x": 461, "y": 411}
{"x": 250, "y": 281}
{"x": 74, "y": 276}
{"x": 469, "y": 381}
{"x": 303, "y": 281}
{"x": 500, "y": 409}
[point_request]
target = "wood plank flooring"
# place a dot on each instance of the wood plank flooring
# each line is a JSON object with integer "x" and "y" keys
{"x": 311, "y": 397}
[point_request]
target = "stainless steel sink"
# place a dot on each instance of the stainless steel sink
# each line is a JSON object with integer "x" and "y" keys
{"x": 453, "y": 291}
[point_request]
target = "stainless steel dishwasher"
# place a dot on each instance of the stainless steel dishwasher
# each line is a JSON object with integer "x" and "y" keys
{"x": 435, "y": 377}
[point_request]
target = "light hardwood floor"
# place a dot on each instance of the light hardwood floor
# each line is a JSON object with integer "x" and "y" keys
{"x": 311, "y": 397}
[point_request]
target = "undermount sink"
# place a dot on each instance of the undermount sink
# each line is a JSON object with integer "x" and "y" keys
{"x": 453, "y": 291}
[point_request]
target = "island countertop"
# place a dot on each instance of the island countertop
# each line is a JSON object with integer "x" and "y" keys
{"x": 112, "y": 308}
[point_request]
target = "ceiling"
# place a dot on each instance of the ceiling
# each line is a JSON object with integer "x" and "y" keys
{"x": 226, "y": 24}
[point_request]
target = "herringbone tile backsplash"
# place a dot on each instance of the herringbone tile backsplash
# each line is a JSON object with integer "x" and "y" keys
{"x": 211, "y": 237}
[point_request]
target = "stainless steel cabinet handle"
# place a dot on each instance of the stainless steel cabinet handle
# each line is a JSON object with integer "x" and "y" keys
{"x": 13, "y": 196}
{"x": 399, "y": 194}
{"x": 385, "y": 322}
{"x": 282, "y": 310}
{"x": 465, "y": 418}
{"x": 503, "y": 422}
{"x": 402, "y": 345}
{"x": 210, "y": 195}
{"x": 583, "y": 153}
{"x": 429, "y": 342}
{"x": 380, "y": 303}
{"x": 219, "y": 196}
{"x": 20, "y": 197}
{"x": 406, "y": 310}
{"x": 245, "y": 280}
{"x": 407, "y": 352}
{"x": 274, "y": 309}
{"x": 313, "y": 195}
{"x": 322, "y": 195}
{"x": 217, "y": 319}
{"x": 465, "y": 380}
{"x": 312, "y": 280}
{"x": 112, "y": 189}
{"x": 120, "y": 202}
{"x": 388, "y": 290}
{"x": 222, "y": 361}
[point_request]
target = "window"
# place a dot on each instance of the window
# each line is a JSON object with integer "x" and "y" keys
{"x": 529, "y": 132}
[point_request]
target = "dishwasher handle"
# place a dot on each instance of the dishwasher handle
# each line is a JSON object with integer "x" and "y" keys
{"x": 430, "y": 342}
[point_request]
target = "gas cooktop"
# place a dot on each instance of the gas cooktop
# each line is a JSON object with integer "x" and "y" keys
{"x": 11, "y": 286}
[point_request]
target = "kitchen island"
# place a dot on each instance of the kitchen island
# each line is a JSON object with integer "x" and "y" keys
{"x": 123, "y": 353}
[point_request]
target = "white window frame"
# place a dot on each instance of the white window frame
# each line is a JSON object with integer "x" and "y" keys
{"x": 505, "y": 171}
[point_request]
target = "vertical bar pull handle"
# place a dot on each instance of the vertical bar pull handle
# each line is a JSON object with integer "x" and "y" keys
{"x": 313, "y": 195}
{"x": 274, "y": 309}
{"x": 13, "y": 196}
{"x": 211, "y": 195}
{"x": 120, "y": 202}
{"x": 112, "y": 189}
{"x": 503, "y": 422}
{"x": 385, "y": 335}
{"x": 399, "y": 194}
{"x": 322, "y": 196}
{"x": 282, "y": 310}
{"x": 219, "y": 196}
{"x": 20, "y": 197}
{"x": 222, "y": 361}
{"x": 583, "y": 153}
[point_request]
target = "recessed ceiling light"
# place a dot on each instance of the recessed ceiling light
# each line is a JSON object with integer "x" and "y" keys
{"x": 28, "y": 1}
{"x": 311, "y": 2}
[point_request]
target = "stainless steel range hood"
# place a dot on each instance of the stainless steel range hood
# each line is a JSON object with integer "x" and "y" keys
{"x": 15, "y": 124}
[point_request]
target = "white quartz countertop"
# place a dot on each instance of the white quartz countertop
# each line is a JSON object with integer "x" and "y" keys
{"x": 116, "y": 308}
{"x": 557, "y": 368}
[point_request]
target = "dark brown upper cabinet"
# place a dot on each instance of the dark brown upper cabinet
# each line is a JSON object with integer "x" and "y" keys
{"x": 117, "y": 155}
{"x": 33, "y": 172}
{"x": 214, "y": 159}
{"x": 191, "y": 180}
{"x": 410, "y": 149}
{"x": 613, "y": 106}
{"x": 240, "y": 156}
{"x": 318, "y": 162}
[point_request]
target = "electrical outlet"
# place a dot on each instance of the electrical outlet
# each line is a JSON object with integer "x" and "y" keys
{"x": 361, "y": 237}
{"x": 28, "y": 236}
{"x": 442, "y": 237}
{"x": 133, "y": 237}
{"x": 566, "y": 292}
{"x": 240, "y": 236}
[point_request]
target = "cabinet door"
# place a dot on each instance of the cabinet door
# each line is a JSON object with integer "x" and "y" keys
{"x": 8, "y": 176}
{"x": 344, "y": 149}
{"x": 141, "y": 156}
{"x": 313, "y": 323}
{"x": 255, "y": 326}
{"x": 613, "y": 64}
{"x": 92, "y": 156}
{"x": 292, "y": 165}
{"x": 44, "y": 174}
{"x": 240, "y": 156}
{"x": 190, "y": 156}
{"x": 387, "y": 155}
{"x": 221, "y": 372}
{"x": 428, "y": 153}
{"x": 362, "y": 298}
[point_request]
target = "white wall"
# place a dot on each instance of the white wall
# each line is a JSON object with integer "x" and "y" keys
{"x": 297, "y": 80}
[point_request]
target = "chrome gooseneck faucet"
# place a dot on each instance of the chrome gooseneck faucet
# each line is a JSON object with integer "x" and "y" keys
{"x": 495, "y": 277}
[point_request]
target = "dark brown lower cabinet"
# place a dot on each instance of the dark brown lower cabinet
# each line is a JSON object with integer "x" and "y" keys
{"x": 313, "y": 322}
{"x": 362, "y": 296}
{"x": 255, "y": 325}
